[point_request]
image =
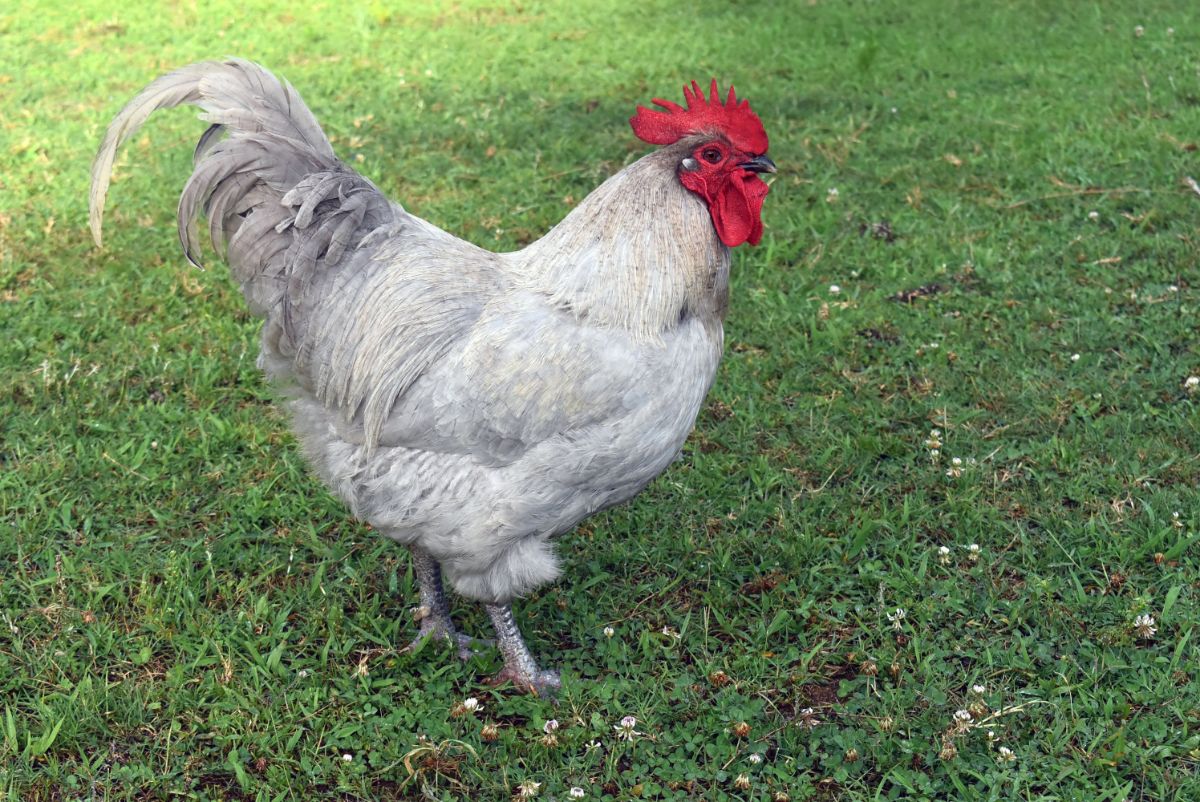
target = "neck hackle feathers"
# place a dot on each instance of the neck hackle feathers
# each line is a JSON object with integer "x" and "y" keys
{"x": 731, "y": 118}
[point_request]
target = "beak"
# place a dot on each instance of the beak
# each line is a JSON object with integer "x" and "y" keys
{"x": 759, "y": 164}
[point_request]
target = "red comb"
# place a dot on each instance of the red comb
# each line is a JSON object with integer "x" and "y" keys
{"x": 733, "y": 119}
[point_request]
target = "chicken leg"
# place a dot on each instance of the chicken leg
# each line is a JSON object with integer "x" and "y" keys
{"x": 433, "y": 614}
{"x": 519, "y": 666}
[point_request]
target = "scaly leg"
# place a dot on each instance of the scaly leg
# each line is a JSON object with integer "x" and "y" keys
{"x": 519, "y": 666}
{"x": 433, "y": 614}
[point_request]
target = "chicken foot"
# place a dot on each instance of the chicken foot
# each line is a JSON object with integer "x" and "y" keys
{"x": 433, "y": 614}
{"x": 519, "y": 666}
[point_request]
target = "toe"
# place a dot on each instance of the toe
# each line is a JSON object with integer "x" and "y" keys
{"x": 539, "y": 683}
{"x": 547, "y": 683}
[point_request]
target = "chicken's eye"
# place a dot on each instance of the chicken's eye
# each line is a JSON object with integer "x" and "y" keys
{"x": 711, "y": 155}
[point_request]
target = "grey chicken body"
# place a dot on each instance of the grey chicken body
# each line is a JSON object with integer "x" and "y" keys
{"x": 469, "y": 404}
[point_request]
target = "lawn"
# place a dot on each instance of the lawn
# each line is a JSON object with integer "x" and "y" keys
{"x": 951, "y": 457}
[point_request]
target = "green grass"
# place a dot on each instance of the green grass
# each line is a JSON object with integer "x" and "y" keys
{"x": 184, "y": 611}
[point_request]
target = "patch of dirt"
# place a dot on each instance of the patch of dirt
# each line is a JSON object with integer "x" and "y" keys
{"x": 225, "y": 785}
{"x": 881, "y": 230}
{"x": 924, "y": 291}
{"x": 718, "y": 411}
{"x": 821, "y": 694}
{"x": 874, "y": 335}
{"x": 765, "y": 583}
{"x": 828, "y": 789}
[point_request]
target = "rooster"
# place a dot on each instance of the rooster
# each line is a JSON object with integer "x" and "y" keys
{"x": 467, "y": 404}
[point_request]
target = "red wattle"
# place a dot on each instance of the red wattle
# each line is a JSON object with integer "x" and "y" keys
{"x": 737, "y": 209}
{"x": 735, "y": 203}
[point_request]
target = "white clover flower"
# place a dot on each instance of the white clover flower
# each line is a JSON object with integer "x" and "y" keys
{"x": 834, "y": 289}
{"x": 576, "y": 792}
{"x": 755, "y": 758}
{"x": 955, "y": 470}
{"x": 1172, "y": 288}
{"x": 991, "y": 735}
{"x": 741, "y": 782}
{"x": 625, "y": 730}
{"x": 609, "y": 632}
{"x": 302, "y": 673}
{"x": 831, "y": 195}
{"x": 1139, "y": 31}
{"x": 346, "y": 758}
{"x": 471, "y": 704}
{"x": 1192, "y": 383}
{"x": 978, "y": 690}
{"x": 1074, "y": 357}
{"x": 934, "y": 453}
{"x": 1170, "y": 31}
{"x": 550, "y": 726}
{"x": 944, "y": 555}
{"x": 1005, "y": 754}
{"x": 963, "y": 715}
{"x": 973, "y": 551}
{"x": 808, "y": 718}
{"x": 528, "y": 789}
{"x": 897, "y": 619}
{"x": 1144, "y": 626}
{"x": 590, "y": 745}
{"x": 1093, "y": 215}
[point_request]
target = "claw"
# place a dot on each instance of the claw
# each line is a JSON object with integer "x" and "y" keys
{"x": 544, "y": 683}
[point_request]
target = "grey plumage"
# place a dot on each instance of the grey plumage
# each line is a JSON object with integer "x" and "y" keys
{"x": 469, "y": 404}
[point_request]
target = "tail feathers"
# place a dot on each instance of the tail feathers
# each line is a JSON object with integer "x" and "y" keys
{"x": 236, "y": 95}
{"x": 278, "y": 201}
{"x": 224, "y": 176}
